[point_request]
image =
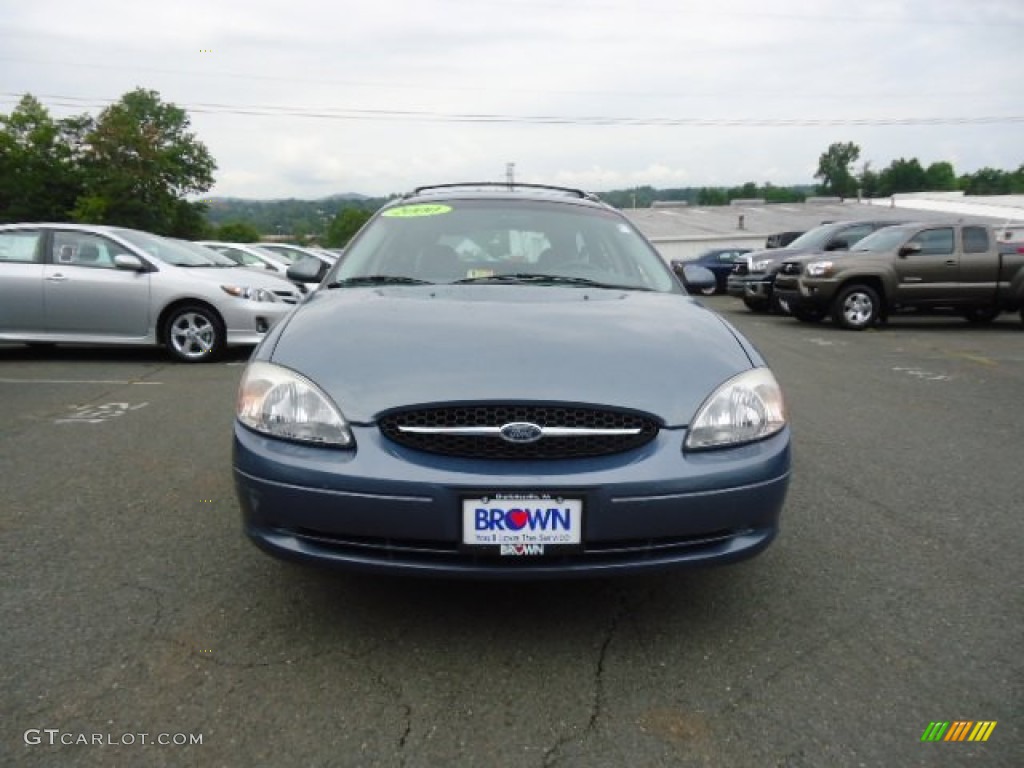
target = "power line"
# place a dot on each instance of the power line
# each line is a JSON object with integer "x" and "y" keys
{"x": 388, "y": 115}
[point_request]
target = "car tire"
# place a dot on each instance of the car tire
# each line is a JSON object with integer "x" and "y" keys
{"x": 778, "y": 306}
{"x": 856, "y": 307}
{"x": 981, "y": 315}
{"x": 194, "y": 333}
{"x": 755, "y": 306}
{"x": 809, "y": 315}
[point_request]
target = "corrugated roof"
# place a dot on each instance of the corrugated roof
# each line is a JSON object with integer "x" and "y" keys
{"x": 715, "y": 222}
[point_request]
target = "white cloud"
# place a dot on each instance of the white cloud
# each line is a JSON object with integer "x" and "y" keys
{"x": 728, "y": 60}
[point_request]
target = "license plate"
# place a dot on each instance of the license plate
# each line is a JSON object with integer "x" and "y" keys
{"x": 522, "y": 523}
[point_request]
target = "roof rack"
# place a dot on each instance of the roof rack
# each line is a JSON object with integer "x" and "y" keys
{"x": 505, "y": 185}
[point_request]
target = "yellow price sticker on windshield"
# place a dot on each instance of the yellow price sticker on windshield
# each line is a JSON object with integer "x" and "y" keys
{"x": 423, "y": 209}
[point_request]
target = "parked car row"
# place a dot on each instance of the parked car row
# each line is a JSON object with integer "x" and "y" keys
{"x": 724, "y": 261}
{"x": 753, "y": 280}
{"x": 68, "y": 283}
{"x": 917, "y": 266}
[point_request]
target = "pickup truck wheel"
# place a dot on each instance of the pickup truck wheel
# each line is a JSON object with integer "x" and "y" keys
{"x": 809, "y": 315}
{"x": 856, "y": 307}
{"x": 755, "y": 306}
{"x": 981, "y": 315}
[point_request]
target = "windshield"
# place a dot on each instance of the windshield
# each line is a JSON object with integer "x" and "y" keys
{"x": 287, "y": 253}
{"x": 503, "y": 242}
{"x": 882, "y": 240}
{"x": 218, "y": 258}
{"x": 813, "y": 239}
{"x": 165, "y": 250}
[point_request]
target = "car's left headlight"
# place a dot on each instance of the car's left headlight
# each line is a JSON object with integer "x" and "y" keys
{"x": 761, "y": 266}
{"x": 280, "y": 403}
{"x": 252, "y": 294}
{"x": 746, "y": 408}
{"x": 820, "y": 269}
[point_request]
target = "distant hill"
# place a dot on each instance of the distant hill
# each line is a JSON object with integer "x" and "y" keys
{"x": 289, "y": 216}
{"x": 304, "y": 218}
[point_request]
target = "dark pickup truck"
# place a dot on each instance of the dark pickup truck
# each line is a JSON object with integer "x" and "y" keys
{"x": 923, "y": 266}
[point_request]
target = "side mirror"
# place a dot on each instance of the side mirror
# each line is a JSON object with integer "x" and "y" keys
{"x": 129, "y": 262}
{"x": 908, "y": 249}
{"x": 307, "y": 270}
{"x": 697, "y": 278}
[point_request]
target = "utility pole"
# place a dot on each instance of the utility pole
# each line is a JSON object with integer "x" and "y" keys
{"x": 510, "y": 174}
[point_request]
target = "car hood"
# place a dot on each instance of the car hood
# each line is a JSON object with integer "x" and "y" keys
{"x": 775, "y": 255}
{"x": 243, "y": 276}
{"x": 375, "y": 349}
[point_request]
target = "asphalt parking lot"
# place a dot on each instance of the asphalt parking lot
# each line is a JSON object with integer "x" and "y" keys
{"x": 133, "y": 605}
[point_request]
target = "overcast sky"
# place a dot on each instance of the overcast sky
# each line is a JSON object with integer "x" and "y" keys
{"x": 307, "y": 99}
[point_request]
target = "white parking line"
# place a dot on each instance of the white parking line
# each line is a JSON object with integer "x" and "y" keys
{"x": 75, "y": 381}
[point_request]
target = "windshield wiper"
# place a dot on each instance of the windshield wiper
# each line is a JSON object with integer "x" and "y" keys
{"x": 377, "y": 280}
{"x": 537, "y": 278}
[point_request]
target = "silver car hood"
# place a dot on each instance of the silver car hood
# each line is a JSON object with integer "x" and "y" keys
{"x": 375, "y": 349}
{"x": 242, "y": 276}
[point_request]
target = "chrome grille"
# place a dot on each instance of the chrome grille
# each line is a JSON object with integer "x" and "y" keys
{"x": 288, "y": 297}
{"x": 568, "y": 432}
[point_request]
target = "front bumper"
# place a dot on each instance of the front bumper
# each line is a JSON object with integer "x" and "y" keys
{"x": 757, "y": 287}
{"x": 385, "y": 508}
{"x": 249, "y": 321}
{"x": 802, "y": 293}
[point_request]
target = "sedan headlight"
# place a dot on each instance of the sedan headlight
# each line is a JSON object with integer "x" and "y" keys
{"x": 252, "y": 294}
{"x": 746, "y": 408}
{"x": 819, "y": 268}
{"x": 278, "y": 402}
{"x": 761, "y": 266}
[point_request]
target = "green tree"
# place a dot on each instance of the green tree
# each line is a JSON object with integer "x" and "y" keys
{"x": 39, "y": 177}
{"x": 712, "y": 196}
{"x": 834, "y": 169}
{"x": 140, "y": 160}
{"x": 344, "y": 226}
{"x": 237, "y": 232}
{"x": 989, "y": 181}
{"x": 868, "y": 180}
{"x": 902, "y": 176}
{"x": 940, "y": 177}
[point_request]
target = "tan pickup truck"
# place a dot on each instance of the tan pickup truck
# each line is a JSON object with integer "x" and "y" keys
{"x": 922, "y": 266}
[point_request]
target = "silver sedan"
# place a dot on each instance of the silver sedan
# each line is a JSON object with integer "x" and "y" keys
{"x": 67, "y": 283}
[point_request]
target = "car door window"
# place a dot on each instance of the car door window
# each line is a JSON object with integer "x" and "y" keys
{"x": 855, "y": 234}
{"x": 975, "y": 240}
{"x": 82, "y": 249}
{"x": 20, "y": 246}
{"x": 934, "y": 242}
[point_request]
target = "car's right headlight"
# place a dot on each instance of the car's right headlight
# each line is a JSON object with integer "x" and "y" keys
{"x": 746, "y": 408}
{"x": 280, "y": 403}
{"x": 761, "y": 266}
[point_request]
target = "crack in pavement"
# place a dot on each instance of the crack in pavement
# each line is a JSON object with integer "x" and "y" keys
{"x": 553, "y": 754}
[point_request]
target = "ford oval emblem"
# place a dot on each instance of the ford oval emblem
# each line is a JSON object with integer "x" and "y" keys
{"x": 521, "y": 432}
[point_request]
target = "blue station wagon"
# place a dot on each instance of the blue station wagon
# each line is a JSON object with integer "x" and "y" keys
{"x": 507, "y": 382}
